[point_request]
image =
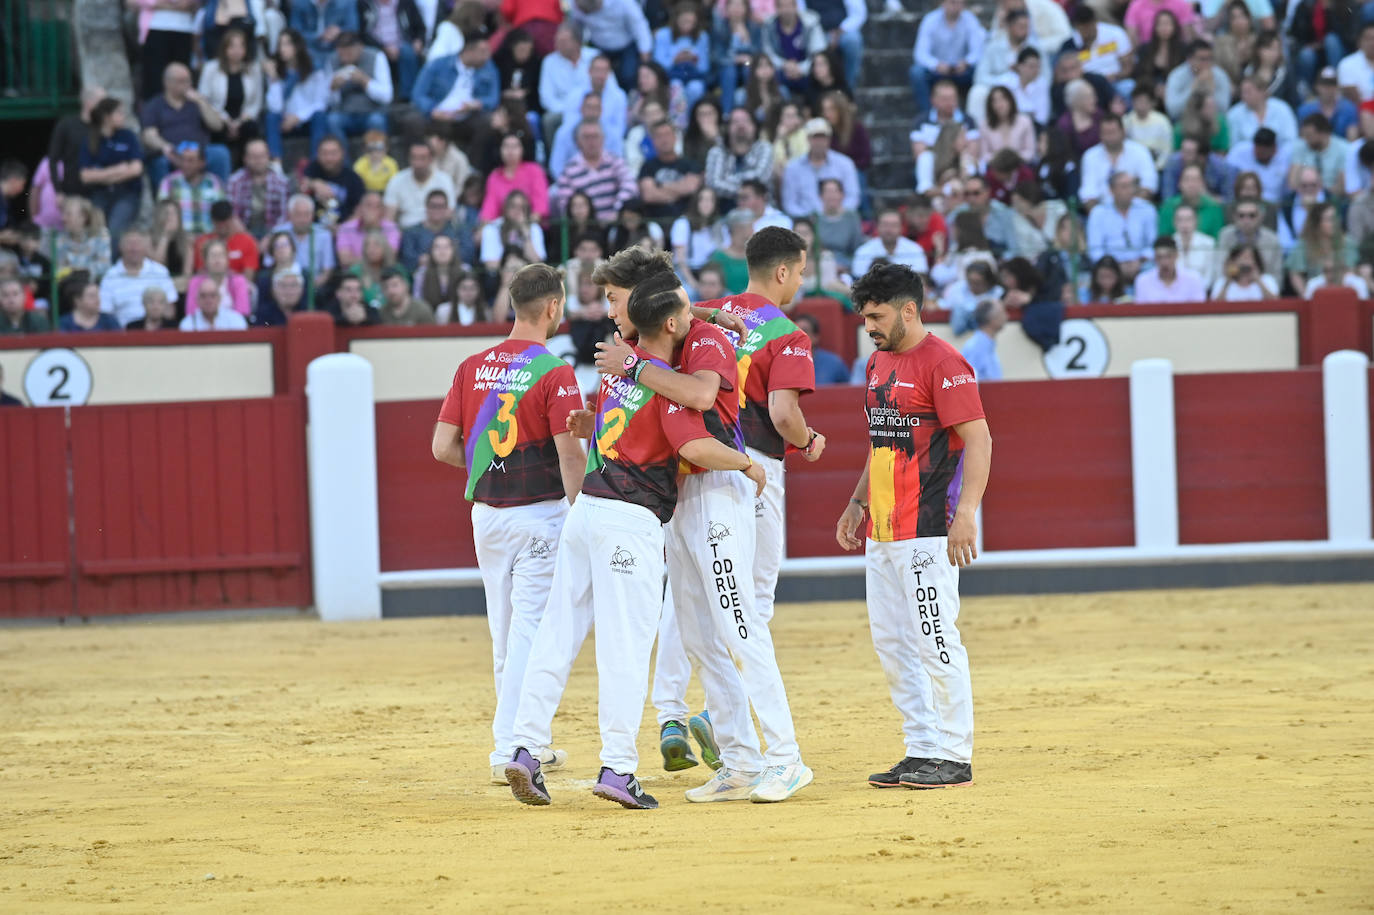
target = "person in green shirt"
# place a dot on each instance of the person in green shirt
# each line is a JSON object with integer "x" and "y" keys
{"x": 1192, "y": 190}
{"x": 740, "y": 224}
{"x": 14, "y": 319}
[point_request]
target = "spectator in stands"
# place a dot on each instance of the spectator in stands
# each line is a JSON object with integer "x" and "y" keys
{"x": 448, "y": 158}
{"x": 791, "y": 37}
{"x": 14, "y": 317}
{"x": 112, "y": 166}
{"x": 1198, "y": 76}
{"x": 348, "y": 307}
{"x": 171, "y": 245}
{"x": 314, "y": 244}
{"x": 1166, "y": 51}
{"x": 83, "y": 243}
{"x": 1124, "y": 227}
{"x": 1004, "y": 173}
{"x": 744, "y": 157}
{"x": 589, "y": 322}
{"x": 122, "y": 287}
{"x": 838, "y": 230}
{"x": 285, "y": 297}
{"x": 1355, "y": 72}
{"x": 1249, "y": 232}
{"x": 830, "y": 368}
{"x": 578, "y": 223}
{"x": 417, "y": 240}
{"x": 697, "y": 234}
{"x": 232, "y": 83}
{"x": 1242, "y": 280}
{"x": 1269, "y": 62}
{"x": 1360, "y": 161}
{"x": 469, "y": 305}
{"x": 180, "y": 115}
{"x": 1141, "y": 15}
{"x": 1336, "y": 108}
{"x": 462, "y": 89}
{"x": 520, "y": 68}
{"x": 192, "y": 188}
{"x": 1049, "y": 23}
{"x": 994, "y": 216}
{"x": 1000, "y": 55}
{"x": 69, "y": 136}
{"x": 1334, "y": 275}
{"x": 398, "y": 308}
{"x": 739, "y": 227}
{"x": 1029, "y": 82}
{"x": 618, "y": 29}
{"x": 337, "y": 189}
{"x": 1148, "y": 127}
{"x": 297, "y": 95}
{"x": 891, "y": 245}
{"x": 243, "y": 248}
{"x": 501, "y": 306}
{"x": 396, "y": 28}
{"x": 321, "y": 22}
{"x": 405, "y": 195}
{"x": 1263, "y": 157}
{"x": 83, "y": 308}
{"x": 1069, "y": 67}
{"x": 564, "y": 78}
{"x": 737, "y": 40}
{"x": 801, "y": 179}
{"x": 1257, "y": 110}
{"x": 436, "y": 280}
{"x": 34, "y": 267}
{"x": 257, "y": 192}
{"x": 667, "y": 181}
{"x": 710, "y": 283}
{"x": 1192, "y": 190}
{"x": 703, "y": 132}
{"x": 165, "y": 36}
{"x": 1198, "y": 252}
{"x": 753, "y": 198}
{"x": 1109, "y": 285}
{"x": 821, "y": 273}
{"x": 158, "y": 312}
{"x": 787, "y": 130}
{"x": 653, "y": 86}
{"x": 565, "y": 140}
{"x": 378, "y": 256}
{"x": 927, "y": 227}
{"x": 1321, "y": 241}
{"x": 763, "y": 93}
{"x": 948, "y": 46}
{"x": 463, "y": 19}
{"x": 980, "y": 351}
{"x": 683, "y": 49}
{"x": 360, "y": 87}
{"x": 1082, "y": 118}
{"x": 1104, "y": 48}
{"x": 515, "y": 229}
{"x": 842, "y": 22}
{"x": 375, "y": 166}
{"x": 825, "y": 77}
{"x": 1003, "y": 128}
{"x": 1319, "y": 150}
{"x": 849, "y": 136}
{"x": 962, "y": 297}
{"x": 604, "y": 177}
{"x": 1236, "y": 46}
{"x": 1167, "y": 282}
{"x": 206, "y": 310}
{"x": 235, "y": 292}
{"x": 369, "y": 217}
{"x": 515, "y": 174}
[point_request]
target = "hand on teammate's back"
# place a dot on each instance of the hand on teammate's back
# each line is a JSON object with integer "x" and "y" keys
{"x": 581, "y": 423}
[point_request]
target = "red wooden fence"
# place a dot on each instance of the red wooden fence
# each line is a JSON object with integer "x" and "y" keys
{"x": 35, "y": 547}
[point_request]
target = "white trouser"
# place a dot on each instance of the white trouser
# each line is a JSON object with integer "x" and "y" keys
{"x": 711, "y": 545}
{"x": 913, "y": 607}
{"x": 609, "y": 572}
{"x": 770, "y": 517}
{"x": 672, "y": 671}
{"x": 516, "y": 548}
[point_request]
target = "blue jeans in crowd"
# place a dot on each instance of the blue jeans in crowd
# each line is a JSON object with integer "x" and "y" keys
{"x": 1310, "y": 59}
{"x": 216, "y": 163}
{"x": 405, "y": 69}
{"x": 852, "y": 47}
{"x": 344, "y": 125}
{"x": 625, "y": 64}
{"x": 732, "y": 79}
{"x": 922, "y": 79}
{"x": 120, "y": 205}
{"x": 317, "y": 127}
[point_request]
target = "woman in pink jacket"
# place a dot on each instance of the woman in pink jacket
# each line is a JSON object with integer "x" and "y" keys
{"x": 515, "y": 174}
{"x": 235, "y": 292}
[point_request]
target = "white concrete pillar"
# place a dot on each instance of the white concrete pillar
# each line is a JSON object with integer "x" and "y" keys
{"x": 341, "y": 453}
{"x": 1154, "y": 457}
{"x": 1345, "y": 401}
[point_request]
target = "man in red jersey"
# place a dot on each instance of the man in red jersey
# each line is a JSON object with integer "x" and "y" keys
{"x": 506, "y": 420}
{"x": 609, "y": 570}
{"x": 929, "y": 457}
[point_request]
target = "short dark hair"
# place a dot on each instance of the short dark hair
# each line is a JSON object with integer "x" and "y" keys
{"x": 628, "y": 268}
{"x": 393, "y": 272}
{"x": 653, "y": 301}
{"x": 755, "y": 185}
{"x": 348, "y": 39}
{"x": 1199, "y": 44}
{"x": 1026, "y": 54}
{"x": 820, "y": 185}
{"x": 771, "y": 246}
{"x": 13, "y": 168}
{"x": 982, "y": 314}
{"x": 349, "y": 278}
{"x": 532, "y": 286}
{"x": 983, "y": 269}
{"x": 221, "y": 210}
{"x": 1083, "y": 15}
{"x": 1317, "y": 120}
{"x": 414, "y": 142}
{"x": 719, "y": 271}
{"x": 1144, "y": 88}
{"x": 1110, "y": 118}
{"x": 1265, "y": 137}
{"x": 811, "y": 319}
{"x": 888, "y": 284}
{"x": 437, "y": 192}
{"x": 1005, "y": 160}
{"x": 475, "y": 36}
{"x": 1166, "y": 242}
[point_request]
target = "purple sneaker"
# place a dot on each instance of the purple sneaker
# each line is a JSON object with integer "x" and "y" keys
{"x": 623, "y": 789}
{"x": 525, "y": 780}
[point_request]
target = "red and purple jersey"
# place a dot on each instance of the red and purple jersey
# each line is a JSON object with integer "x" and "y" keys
{"x": 707, "y": 348}
{"x": 774, "y": 355}
{"x": 638, "y": 434}
{"x": 916, "y": 466}
{"x": 510, "y": 401}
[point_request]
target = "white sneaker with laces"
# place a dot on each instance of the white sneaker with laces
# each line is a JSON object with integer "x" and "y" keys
{"x": 778, "y": 783}
{"x": 549, "y": 761}
{"x": 725, "y": 785}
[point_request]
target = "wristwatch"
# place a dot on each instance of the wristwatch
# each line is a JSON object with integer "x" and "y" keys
{"x": 631, "y": 362}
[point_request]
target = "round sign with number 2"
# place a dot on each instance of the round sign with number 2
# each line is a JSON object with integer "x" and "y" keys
{"x": 58, "y": 378}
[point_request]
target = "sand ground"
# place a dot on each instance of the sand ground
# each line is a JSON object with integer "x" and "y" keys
{"x": 1143, "y": 752}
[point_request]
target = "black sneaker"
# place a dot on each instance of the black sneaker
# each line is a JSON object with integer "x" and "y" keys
{"x": 624, "y": 790}
{"x": 525, "y": 780}
{"x": 939, "y": 773}
{"x": 892, "y": 777}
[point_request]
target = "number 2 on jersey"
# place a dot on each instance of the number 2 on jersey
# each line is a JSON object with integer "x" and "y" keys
{"x": 613, "y": 426}
{"x": 504, "y": 444}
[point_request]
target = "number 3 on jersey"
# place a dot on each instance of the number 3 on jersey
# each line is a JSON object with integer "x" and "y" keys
{"x": 504, "y": 443}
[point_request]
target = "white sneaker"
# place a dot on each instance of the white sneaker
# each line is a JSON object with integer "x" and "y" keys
{"x": 549, "y": 760}
{"x": 726, "y": 785}
{"x": 778, "y": 783}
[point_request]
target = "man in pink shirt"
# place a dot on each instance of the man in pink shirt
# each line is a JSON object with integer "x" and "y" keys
{"x": 1140, "y": 18}
{"x": 1167, "y": 283}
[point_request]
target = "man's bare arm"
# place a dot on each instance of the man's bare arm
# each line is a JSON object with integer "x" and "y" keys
{"x": 448, "y": 445}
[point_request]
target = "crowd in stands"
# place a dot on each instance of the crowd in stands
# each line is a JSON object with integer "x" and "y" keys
{"x": 395, "y": 161}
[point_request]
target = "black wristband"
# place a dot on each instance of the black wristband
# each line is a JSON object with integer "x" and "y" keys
{"x": 638, "y": 370}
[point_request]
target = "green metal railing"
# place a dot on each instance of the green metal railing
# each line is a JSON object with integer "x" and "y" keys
{"x": 38, "y": 68}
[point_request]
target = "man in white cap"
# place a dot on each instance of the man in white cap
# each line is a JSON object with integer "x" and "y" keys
{"x": 801, "y": 179}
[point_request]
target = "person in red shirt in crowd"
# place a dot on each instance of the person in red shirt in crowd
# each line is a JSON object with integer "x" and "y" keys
{"x": 539, "y": 18}
{"x": 928, "y": 463}
{"x": 242, "y": 247}
{"x": 927, "y": 228}
{"x": 609, "y": 570}
{"x": 506, "y": 420}
{"x": 1006, "y": 170}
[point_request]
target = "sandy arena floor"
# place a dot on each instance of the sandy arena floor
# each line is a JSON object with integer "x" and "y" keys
{"x": 1142, "y": 752}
